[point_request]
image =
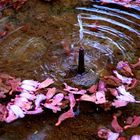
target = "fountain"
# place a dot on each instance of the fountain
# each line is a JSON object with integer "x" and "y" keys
{"x": 38, "y": 53}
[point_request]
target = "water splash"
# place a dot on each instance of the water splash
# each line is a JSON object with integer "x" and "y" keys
{"x": 81, "y": 35}
{"x": 117, "y": 30}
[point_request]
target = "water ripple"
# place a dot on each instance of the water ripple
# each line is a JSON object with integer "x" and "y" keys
{"x": 116, "y": 28}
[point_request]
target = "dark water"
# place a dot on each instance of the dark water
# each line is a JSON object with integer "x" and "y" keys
{"x": 40, "y": 53}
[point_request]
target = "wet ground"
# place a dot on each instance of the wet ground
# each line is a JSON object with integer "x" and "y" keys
{"x": 40, "y": 51}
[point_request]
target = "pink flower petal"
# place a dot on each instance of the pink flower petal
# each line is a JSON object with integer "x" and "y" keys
{"x": 45, "y": 83}
{"x": 129, "y": 120}
{"x": 116, "y": 125}
{"x": 3, "y": 112}
{"x": 90, "y": 98}
{"x": 124, "y": 95}
{"x": 64, "y": 116}
{"x": 69, "y": 88}
{"x": 30, "y": 83}
{"x": 100, "y": 97}
{"x": 135, "y": 137}
{"x": 101, "y": 86}
{"x": 57, "y": 98}
{"x": 51, "y": 92}
{"x": 119, "y": 103}
{"x": 17, "y": 111}
{"x": 112, "y": 80}
{"x": 93, "y": 89}
{"x": 135, "y": 123}
{"x": 81, "y": 92}
{"x": 125, "y": 67}
{"x": 124, "y": 79}
{"x": 27, "y": 95}
{"x": 72, "y": 101}
{"x": 15, "y": 84}
{"x": 39, "y": 99}
{"x": 103, "y": 133}
{"x": 52, "y": 107}
{"x": 113, "y": 91}
{"x": 11, "y": 117}
{"x": 133, "y": 84}
{"x": 113, "y": 136}
{"x": 28, "y": 88}
{"x": 36, "y": 111}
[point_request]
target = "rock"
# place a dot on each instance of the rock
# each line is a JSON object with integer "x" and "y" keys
{"x": 86, "y": 79}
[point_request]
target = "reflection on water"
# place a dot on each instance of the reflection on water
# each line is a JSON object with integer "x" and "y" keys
{"x": 103, "y": 31}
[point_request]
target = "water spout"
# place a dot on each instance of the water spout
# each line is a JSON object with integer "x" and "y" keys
{"x": 81, "y": 64}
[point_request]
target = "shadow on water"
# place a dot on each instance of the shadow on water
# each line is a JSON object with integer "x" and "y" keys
{"x": 50, "y": 49}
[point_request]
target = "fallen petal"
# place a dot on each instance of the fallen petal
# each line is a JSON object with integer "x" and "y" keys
{"x": 116, "y": 125}
{"x": 90, "y": 98}
{"x": 112, "y": 80}
{"x": 124, "y": 79}
{"x": 103, "y": 133}
{"x": 69, "y": 88}
{"x": 93, "y": 89}
{"x": 64, "y": 116}
{"x": 27, "y": 95}
{"x": 17, "y": 111}
{"x": 39, "y": 99}
{"x": 124, "y": 67}
{"x": 28, "y": 88}
{"x": 72, "y": 101}
{"x": 45, "y": 83}
{"x": 113, "y": 136}
{"x": 101, "y": 86}
{"x": 100, "y": 97}
{"x": 36, "y": 111}
{"x": 30, "y": 83}
{"x": 135, "y": 137}
{"x": 81, "y": 92}
{"x": 51, "y": 92}
{"x": 11, "y": 117}
{"x": 52, "y": 107}
{"x": 113, "y": 91}
{"x": 135, "y": 123}
{"x": 119, "y": 103}
{"x": 57, "y": 98}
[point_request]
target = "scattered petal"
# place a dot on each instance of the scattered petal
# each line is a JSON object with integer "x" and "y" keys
{"x": 90, "y": 98}
{"x": 100, "y": 97}
{"x": 64, "y": 116}
{"x": 57, "y": 99}
{"x": 116, "y": 125}
{"x": 93, "y": 89}
{"x": 124, "y": 67}
{"x": 36, "y": 111}
{"x": 45, "y": 83}
{"x": 17, "y": 111}
{"x": 51, "y": 92}
{"x": 135, "y": 137}
{"x": 28, "y": 95}
{"x": 39, "y": 99}
{"x": 119, "y": 103}
{"x": 124, "y": 79}
{"x": 69, "y": 88}
{"x": 135, "y": 123}
{"x": 112, "y": 80}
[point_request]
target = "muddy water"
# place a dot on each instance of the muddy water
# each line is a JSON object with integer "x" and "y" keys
{"x": 42, "y": 52}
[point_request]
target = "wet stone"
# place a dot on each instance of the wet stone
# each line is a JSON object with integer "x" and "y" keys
{"x": 86, "y": 79}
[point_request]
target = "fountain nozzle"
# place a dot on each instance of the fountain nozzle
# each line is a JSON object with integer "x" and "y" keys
{"x": 81, "y": 64}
